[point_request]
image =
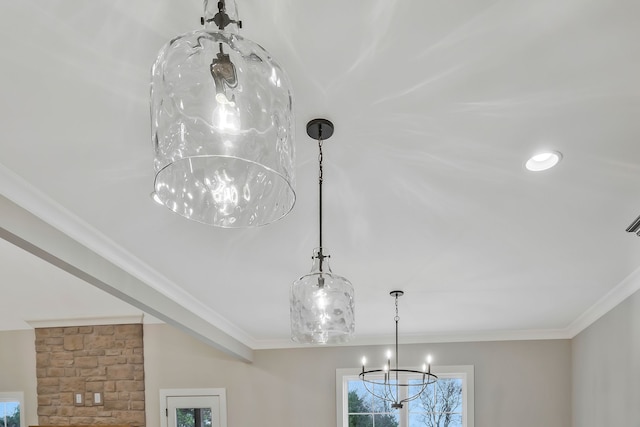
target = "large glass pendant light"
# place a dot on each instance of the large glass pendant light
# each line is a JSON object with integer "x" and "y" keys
{"x": 222, "y": 126}
{"x": 322, "y": 307}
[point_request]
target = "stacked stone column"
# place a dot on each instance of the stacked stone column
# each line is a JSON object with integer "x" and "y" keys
{"x": 90, "y": 359}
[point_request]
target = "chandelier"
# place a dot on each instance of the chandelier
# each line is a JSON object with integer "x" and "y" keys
{"x": 394, "y": 385}
{"x": 322, "y": 309}
{"x": 222, "y": 126}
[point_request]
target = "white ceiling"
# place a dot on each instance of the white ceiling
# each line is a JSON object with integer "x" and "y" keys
{"x": 437, "y": 105}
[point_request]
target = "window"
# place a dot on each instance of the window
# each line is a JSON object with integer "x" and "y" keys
{"x": 11, "y": 406}
{"x": 447, "y": 403}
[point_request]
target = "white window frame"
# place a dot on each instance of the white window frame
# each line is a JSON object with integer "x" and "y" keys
{"x": 221, "y": 393}
{"x": 15, "y": 396}
{"x": 464, "y": 372}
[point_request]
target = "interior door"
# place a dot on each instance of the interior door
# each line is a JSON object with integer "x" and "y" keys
{"x": 194, "y": 411}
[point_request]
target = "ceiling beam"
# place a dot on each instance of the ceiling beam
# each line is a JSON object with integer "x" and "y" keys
{"x": 39, "y": 238}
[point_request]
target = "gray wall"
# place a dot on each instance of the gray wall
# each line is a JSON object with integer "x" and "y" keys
{"x": 523, "y": 383}
{"x": 606, "y": 369}
{"x": 517, "y": 383}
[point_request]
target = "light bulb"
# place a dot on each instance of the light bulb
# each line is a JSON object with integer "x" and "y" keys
{"x": 429, "y": 360}
{"x": 226, "y": 117}
{"x": 364, "y": 361}
{"x": 321, "y": 299}
{"x": 388, "y": 354}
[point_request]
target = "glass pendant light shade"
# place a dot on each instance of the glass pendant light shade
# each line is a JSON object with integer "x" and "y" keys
{"x": 222, "y": 126}
{"x": 322, "y": 307}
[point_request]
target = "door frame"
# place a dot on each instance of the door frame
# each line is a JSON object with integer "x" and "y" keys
{"x": 220, "y": 393}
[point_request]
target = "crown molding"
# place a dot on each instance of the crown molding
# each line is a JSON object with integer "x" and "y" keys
{"x": 86, "y": 321}
{"x": 626, "y": 288}
{"x": 470, "y": 336}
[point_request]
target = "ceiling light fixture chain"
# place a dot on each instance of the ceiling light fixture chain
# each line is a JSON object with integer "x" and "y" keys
{"x": 321, "y": 255}
{"x": 394, "y": 385}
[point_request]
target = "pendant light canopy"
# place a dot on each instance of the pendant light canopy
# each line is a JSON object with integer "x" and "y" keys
{"x": 222, "y": 126}
{"x": 322, "y": 307}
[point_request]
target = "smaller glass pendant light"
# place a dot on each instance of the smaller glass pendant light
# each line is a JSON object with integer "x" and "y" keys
{"x": 322, "y": 307}
{"x": 222, "y": 126}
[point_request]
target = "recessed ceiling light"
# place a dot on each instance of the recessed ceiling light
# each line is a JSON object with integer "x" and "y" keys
{"x": 543, "y": 161}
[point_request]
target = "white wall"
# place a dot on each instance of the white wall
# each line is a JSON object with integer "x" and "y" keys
{"x": 18, "y": 369}
{"x": 523, "y": 383}
{"x": 606, "y": 369}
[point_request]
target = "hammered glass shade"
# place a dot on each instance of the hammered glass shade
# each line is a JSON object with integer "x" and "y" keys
{"x": 222, "y": 129}
{"x": 322, "y": 308}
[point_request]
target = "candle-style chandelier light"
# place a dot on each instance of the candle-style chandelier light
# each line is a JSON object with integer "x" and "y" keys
{"x": 393, "y": 384}
{"x": 222, "y": 126}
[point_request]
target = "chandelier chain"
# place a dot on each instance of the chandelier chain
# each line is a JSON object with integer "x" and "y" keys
{"x": 320, "y": 171}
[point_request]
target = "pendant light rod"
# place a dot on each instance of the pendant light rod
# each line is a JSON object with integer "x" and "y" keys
{"x": 320, "y": 130}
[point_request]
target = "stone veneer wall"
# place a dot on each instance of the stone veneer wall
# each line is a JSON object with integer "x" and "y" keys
{"x": 87, "y": 359}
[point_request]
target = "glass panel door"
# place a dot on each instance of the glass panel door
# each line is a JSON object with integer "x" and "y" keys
{"x": 193, "y": 411}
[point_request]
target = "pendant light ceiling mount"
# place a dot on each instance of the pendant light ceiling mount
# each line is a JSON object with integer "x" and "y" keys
{"x": 320, "y": 129}
{"x": 396, "y": 294}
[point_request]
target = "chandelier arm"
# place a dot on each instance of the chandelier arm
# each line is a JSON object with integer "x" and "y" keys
{"x": 390, "y": 397}
{"x": 416, "y": 395}
{"x": 366, "y": 382}
{"x": 386, "y": 395}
